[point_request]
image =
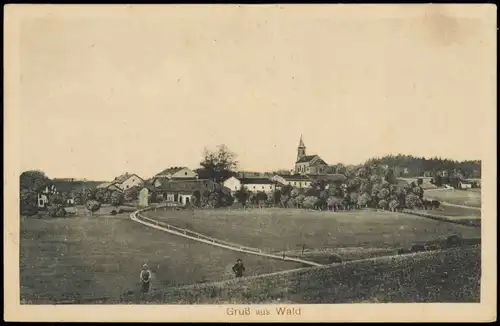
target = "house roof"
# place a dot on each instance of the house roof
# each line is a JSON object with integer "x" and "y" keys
{"x": 124, "y": 177}
{"x": 172, "y": 170}
{"x": 295, "y": 177}
{"x": 256, "y": 180}
{"x": 306, "y": 158}
{"x": 311, "y": 158}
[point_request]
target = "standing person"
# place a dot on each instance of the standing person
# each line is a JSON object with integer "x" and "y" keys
{"x": 238, "y": 268}
{"x": 145, "y": 278}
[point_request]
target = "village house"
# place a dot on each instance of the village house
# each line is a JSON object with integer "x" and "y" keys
{"x": 110, "y": 186}
{"x": 127, "y": 181}
{"x": 464, "y": 184}
{"x": 177, "y": 173}
{"x": 122, "y": 182}
{"x": 296, "y": 180}
{"x": 43, "y": 196}
{"x": 308, "y": 164}
{"x": 180, "y": 191}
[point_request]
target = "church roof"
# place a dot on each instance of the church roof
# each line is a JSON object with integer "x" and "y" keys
{"x": 310, "y": 158}
{"x": 307, "y": 158}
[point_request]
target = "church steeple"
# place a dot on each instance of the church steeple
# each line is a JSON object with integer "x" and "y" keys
{"x": 301, "y": 150}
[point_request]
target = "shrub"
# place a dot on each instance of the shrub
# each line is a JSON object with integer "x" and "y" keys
{"x": 382, "y": 204}
{"x": 92, "y": 206}
{"x": 120, "y": 211}
{"x": 113, "y": 212}
{"x": 309, "y": 202}
{"x": 334, "y": 259}
{"x": 393, "y": 205}
{"x": 116, "y": 198}
{"x": 57, "y": 211}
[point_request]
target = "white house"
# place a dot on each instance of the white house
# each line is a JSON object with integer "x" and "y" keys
{"x": 259, "y": 184}
{"x": 464, "y": 185}
{"x": 298, "y": 181}
{"x": 43, "y": 196}
{"x": 127, "y": 181}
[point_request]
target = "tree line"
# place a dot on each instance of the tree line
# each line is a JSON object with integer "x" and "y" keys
{"x": 418, "y": 165}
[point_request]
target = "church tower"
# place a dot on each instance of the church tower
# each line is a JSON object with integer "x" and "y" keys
{"x": 301, "y": 150}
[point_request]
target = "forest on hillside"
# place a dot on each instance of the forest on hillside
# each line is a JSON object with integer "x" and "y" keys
{"x": 418, "y": 165}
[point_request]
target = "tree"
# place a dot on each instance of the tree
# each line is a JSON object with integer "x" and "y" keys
{"x": 102, "y": 195}
{"x": 295, "y": 192}
{"x": 116, "y": 198}
{"x": 132, "y": 194}
{"x": 418, "y": 191}
{"x": 219, "y": 164}
{"x": 394, "y": 205}
{"x": 354, "y": 196}
{"x": 383, "y": 204}
{"x": 28, "y": 202}
{"x": 438, "y": 181}
{"x": 286, "y": 190}
{"x": 277, "y": 197}
{"x": 88, "y": 194}
{"x": 390, "y": 177}
{"x": 261, "y": 197}
{"x": 299, "y": 200}
{"x": 309, "y": 202}
{"x": 364, "y": 199}
{"x": 33, "y": 180}
{"x": 413, "y": 201}
{"x": 334, "y": 203}
{"x": 56, "y": 199}
{"x": 92, "y": 206}
{"x": 242, "y": 195}
{"x": 383, "y": 193}
{"x": 284, "y": 200}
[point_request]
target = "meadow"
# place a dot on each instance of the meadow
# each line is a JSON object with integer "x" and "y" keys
{"x": 447, "y": 276}
{"x": 291, "y": 230}
{"x": 84, "y": 258}
{"x": 469, "y": 197}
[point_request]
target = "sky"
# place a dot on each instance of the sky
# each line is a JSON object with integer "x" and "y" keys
{"x": 139, "y": 89}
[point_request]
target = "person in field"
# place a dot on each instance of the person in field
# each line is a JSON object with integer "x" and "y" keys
{"x": 238, "y": 268}
{"x": 145, "y": 277}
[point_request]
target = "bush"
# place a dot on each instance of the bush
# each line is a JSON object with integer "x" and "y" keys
{"x": 92, "y": 206}
{"x": 120, "y": 211}
{"x": 309, "y": 202}
{"x": 382, "y": 204}
{"x": 113, "y": 212}
{"x": 57, "y": 211}
{"x": 334, "y": 259}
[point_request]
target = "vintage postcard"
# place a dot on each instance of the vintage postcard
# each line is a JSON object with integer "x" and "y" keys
{"x": 297, "y": 163}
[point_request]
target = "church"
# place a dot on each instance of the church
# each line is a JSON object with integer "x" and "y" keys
{"x": 308, "y": 164}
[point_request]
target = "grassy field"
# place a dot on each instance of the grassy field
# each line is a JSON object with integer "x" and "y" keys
{"x": 276, "y": 229}
{"x": 440, "y": 276}
{"x": 470, "y": 197}
{"x": 456, "y": 212}
{"x": 79, "y": 258}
